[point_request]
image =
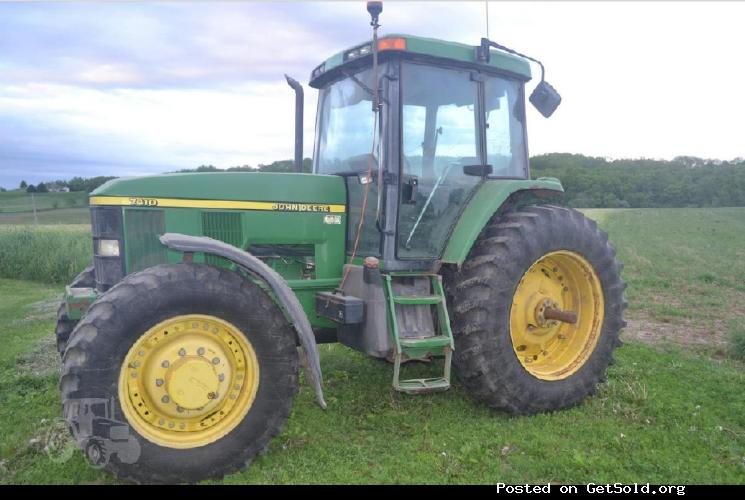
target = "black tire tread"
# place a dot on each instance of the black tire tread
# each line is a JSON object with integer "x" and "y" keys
{"x": 86, "y": 336}
{"x": 480, "y": 295}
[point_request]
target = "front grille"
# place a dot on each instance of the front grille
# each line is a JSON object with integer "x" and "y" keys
{"x": 223, "y": 226}
{"x": 144, "y": 248}
{"x": 106, "y": 224}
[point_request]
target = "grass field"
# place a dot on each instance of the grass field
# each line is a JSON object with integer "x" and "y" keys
{"x": 45, "y": 253}
{"x": 21, "y": 201}
{"x": 51, "y": 208}
{"x": 672, "y": 411}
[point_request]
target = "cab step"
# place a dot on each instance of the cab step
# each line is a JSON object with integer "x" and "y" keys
{"x": 425, "y": 342}
{"x": 424, "y": 385}
{"x": 407, "y": 294}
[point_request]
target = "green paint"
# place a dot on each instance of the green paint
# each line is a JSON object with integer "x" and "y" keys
{"x": 78, "y": 300}
{"x": 440, "y": 344}
{"x": 447, "y": 50}
{"x": 234, "y": 186}
{"x": 487, "y": 199}
{"x": 241, "y": 228}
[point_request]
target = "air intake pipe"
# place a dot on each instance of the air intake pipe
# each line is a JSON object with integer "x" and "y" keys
{"x": 298, "y": 122}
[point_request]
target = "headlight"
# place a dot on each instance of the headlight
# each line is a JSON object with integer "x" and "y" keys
{"x": 108, "y": 248}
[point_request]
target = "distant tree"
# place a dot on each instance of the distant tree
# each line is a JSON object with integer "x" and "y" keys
{"x": 24, "y": 185}
{"x": 41, "y": 188}
{"x": 31, "y": 188}
{"x": 87, "y": 184}
{"x": 2, "y": 189}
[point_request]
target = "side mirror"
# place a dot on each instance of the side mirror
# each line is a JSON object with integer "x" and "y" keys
{"x": 545, "y": 98}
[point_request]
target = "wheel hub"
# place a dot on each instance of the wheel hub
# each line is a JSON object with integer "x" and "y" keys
{"x": 192, "y": 382}
{"x": 556, "y": 315}
{"x": 188, "y": 381}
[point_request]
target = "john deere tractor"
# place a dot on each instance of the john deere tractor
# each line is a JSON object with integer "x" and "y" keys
{"x": 419, "y": 234}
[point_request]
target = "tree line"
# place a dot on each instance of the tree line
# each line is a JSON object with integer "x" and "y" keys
{"x": 684, "y": 181}
{"x": 590, "y": 182}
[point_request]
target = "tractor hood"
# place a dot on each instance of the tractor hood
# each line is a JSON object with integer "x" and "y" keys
{"x": 314, "y": 192}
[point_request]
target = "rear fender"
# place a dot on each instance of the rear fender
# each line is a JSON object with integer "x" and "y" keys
{"x": 493, "y": 196}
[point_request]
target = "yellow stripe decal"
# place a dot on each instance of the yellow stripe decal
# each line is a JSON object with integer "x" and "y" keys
{"x": 275, "y": 206}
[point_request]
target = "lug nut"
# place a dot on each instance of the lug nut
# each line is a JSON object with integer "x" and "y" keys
{"x": 182, "y": 352}
{"x": 221, "y": 377}
{"x": 165, "y": 364}
{"x": 158, "y": 382}
{"x": 165, "y": 399}
{"x": 200, "y": 351}
{"x": 211, "y": 395}
{"x": 215, "y": 361}
{"x": 179, "y": 409}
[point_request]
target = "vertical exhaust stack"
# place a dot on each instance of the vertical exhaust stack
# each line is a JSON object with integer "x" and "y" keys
{"x": 298, "y": 122}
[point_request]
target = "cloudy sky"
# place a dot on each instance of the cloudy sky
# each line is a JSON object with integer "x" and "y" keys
{"x": 125, "y": 88}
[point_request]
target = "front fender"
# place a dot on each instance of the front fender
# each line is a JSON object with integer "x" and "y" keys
{"x": 283, "y": 292}
{"x": 486, "y": 201}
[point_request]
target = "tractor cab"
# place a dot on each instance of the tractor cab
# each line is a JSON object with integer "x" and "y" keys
{"x": 447, "y": 123}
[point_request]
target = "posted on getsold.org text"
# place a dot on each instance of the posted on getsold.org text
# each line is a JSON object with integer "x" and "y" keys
{"x": 591, "y": 488}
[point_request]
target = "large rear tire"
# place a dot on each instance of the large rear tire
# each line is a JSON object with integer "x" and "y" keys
{"x": 65, "y": 325}
{"x": 508, "y": 354}
{"x": 200, "y": 365}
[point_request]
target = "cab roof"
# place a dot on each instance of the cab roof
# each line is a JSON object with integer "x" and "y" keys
{"x": 420, "y": 46}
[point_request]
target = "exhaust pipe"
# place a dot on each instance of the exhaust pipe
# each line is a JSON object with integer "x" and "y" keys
{"x": 298, "y": 122}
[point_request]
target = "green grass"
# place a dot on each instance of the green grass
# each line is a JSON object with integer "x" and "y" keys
{"x": 685, "y": 262}
{"x": 51, "y": 254}
{"x": 663, "y": 417}
{"x": 737, "y": 341}
{"x": 666, "y": 414}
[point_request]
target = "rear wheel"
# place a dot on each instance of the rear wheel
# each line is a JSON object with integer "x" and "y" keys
{"x": 65, "y": 325}
{"x": 201, "y": 366}
{"x": 537, "y": 310}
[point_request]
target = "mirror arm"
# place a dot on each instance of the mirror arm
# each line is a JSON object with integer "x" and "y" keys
{"x": 482, "y": 54}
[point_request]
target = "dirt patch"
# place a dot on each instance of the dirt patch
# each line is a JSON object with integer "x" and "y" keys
{"x": 684, "y": 333}
{"x": 42, "y": 361}
{"x": 44, "y": 310}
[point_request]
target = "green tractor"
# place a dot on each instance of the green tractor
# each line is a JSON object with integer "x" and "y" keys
{"x": 419, "y": 234}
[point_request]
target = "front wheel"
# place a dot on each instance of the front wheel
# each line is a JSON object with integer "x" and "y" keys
{"x": 537, "y": 310}
{"x": 195, "y": 363}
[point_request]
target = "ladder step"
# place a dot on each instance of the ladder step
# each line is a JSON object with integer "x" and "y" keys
{"x": 423, "y": 385}
{"x": 426, "y": 342}
{"x": 417, "y": 300}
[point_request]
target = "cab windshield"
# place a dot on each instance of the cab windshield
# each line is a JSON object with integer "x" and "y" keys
{"x": 345, "y": 124}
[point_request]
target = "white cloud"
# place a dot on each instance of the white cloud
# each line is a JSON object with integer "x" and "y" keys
{"x": 161, "y": 86}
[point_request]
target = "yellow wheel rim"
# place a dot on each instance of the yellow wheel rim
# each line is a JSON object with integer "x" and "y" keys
{"x": 551, "y": 349}
{"x": 188, "y": 381}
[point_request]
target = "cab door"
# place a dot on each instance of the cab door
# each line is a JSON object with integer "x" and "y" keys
{"x": 441, "y": 141}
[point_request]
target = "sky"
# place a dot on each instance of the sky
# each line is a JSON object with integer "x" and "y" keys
{"x": 131, "y": 88}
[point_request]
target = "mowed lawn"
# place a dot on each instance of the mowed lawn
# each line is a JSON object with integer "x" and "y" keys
{"x": 672, "y": 411}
